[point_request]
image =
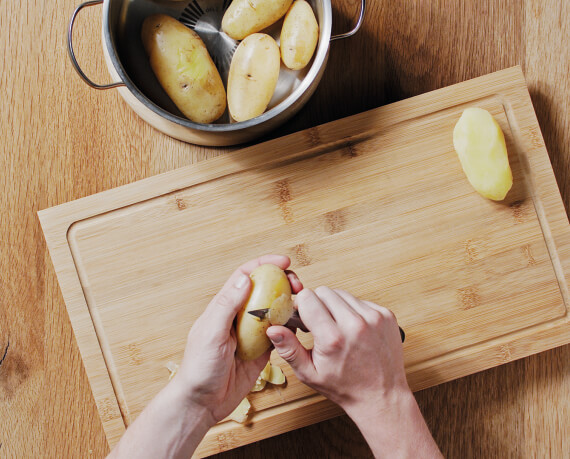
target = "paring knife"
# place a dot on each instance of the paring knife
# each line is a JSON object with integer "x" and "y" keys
{"x": 296, "y": 322}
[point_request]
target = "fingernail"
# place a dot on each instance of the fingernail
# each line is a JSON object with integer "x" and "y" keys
{"x": 241, "y": 281}
{"x": 277, "y": 339}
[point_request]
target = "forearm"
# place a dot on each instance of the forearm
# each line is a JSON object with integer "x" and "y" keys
{"x": 169, "y": 427}
{"x": 397, "y": 429}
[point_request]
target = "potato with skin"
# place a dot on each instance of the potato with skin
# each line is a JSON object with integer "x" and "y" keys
{"x": 253, "y": 76}
{"x": 299, "y": 35}
{"x": 182, "y": 65}
{"x": 244, "y": 17}
{"x": 269, "y": 283}
{"x": 480, "y": 145}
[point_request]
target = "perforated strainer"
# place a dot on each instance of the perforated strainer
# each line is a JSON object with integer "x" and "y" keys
{"x": 129, "y": 66}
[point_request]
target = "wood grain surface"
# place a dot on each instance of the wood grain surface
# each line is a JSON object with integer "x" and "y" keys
{"x": 474, "y": 283}
{"x": 61, "y": 141}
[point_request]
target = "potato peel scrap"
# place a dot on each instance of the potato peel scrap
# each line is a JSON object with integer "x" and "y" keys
{"x": 265, "y": 372}
{"x": 270, "y": 374}
{"x": 276, "y": 376}
{"x": 259, "y": 385}
{"x": 241, "y": 413}
{"x": 173, "y": 368}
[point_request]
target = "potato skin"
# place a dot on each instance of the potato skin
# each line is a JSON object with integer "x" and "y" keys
{"x": 269, "y": 282}
{"x": 244, "y": 17}
{"x": 182, "y": 65}
{"x": 299, "y": 35}
{"x": 254, "y": 72}
{"x": 480, "y": 145}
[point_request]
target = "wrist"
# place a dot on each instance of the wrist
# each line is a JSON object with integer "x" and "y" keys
{"x": 192, "y": 413}
{"x": 395, "y": 426}
{"x": 381, "y": 406}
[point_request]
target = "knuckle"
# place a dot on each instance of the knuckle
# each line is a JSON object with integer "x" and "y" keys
{"x": 303, "y": 295}
{"x": 359, "y": 327}
{"x": 376, "y": 318}
{"x": 321, "y": 289}
{"x": 225, "y": 300}
{"x": 289, "y": 355}
{"x": 334, "y": 342}
{"x": 387, "y": 312}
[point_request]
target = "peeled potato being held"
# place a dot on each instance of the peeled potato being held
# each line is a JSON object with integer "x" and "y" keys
{"x": 253, "y": 76}
{"x": 299, "y": 35}
{"x": 183, "y": 67}
{"x": 480, "y": 145}
{"x": 270, "y": 289}
{"x": 244, "y": 17}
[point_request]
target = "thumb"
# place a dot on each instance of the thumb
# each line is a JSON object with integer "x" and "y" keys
{"x": 292, "y": 351}
{"x": 230, "y": 299}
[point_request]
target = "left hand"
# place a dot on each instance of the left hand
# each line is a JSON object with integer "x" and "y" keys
{"x": 211, "y": 375}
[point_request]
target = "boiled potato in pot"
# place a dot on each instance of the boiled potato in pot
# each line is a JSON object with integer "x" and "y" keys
{"x": 182, "y": 65}
{"x": 244, "y": 17}
{"x": 480, "y": 145}
{"x": 270, "y": 289}
{"x": 253, "y": 76}
{"x": 299, "y": 35}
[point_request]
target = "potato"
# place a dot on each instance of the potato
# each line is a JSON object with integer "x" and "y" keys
{"x": 182, "y": 65}
{"x": 254, "y": 71}
{"x": 480, "y": 145}
{"x": 244, "y": 17}
{"x": 299, "y": 35}
{"x": 269, "y": 283}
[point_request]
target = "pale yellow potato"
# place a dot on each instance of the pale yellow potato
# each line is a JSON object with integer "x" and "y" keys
{"x": 269, "y": 282}
{"x": 480, "y": 145}
{"x": 182, "y": 65}
{"x": 299, "y": 35}
{"x": 254, "y": 71}
{"x": 244, "y": 17}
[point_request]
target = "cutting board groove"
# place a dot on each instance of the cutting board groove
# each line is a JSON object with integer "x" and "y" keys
{"x": 375, "y": 203}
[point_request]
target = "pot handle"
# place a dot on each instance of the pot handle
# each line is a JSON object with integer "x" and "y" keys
{"x": 72, "y": 54}
{"x": 356, "y": 27}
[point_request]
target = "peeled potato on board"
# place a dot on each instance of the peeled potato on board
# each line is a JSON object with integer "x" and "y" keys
{"x": 253, "y": 76}
{"x": 480, "y": 145}
{"x": 299, "y": 35}
{"x": 244, "y": 17}
{"x": 183, "y": 67}
{"x": 269, "y": 283}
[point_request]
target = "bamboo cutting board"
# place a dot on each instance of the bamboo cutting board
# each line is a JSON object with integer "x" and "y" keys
{"x": 375, "y": 203}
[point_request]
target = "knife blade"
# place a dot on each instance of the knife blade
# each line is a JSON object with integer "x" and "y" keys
{"x": 296, "y": 322}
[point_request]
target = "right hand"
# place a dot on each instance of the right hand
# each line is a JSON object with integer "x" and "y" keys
{"x": 357, "y": 359}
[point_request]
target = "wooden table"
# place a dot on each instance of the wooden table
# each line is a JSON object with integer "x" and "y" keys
{"x": 62, "y": 140}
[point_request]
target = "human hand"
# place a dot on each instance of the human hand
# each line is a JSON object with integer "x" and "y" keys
{"x": 210, "y": 374}
{"x": 357, "y": 358}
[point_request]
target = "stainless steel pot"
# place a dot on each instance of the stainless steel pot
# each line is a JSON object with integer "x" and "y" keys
{"x": 130, "y": 68}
